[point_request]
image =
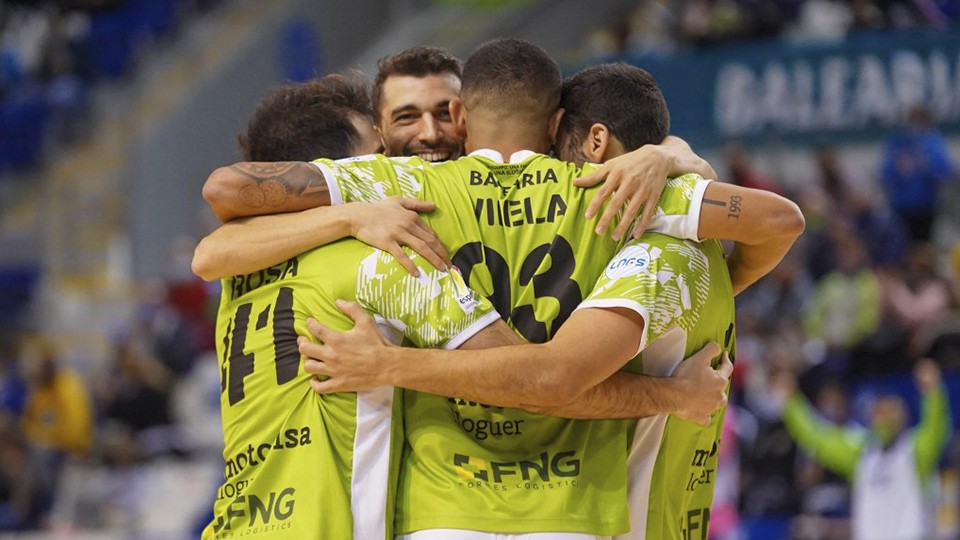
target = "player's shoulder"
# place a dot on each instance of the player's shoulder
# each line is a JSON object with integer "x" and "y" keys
{"x": 655, "y": 249}
{"x": 567, "y": 169}
{"x": 372, "y": 160}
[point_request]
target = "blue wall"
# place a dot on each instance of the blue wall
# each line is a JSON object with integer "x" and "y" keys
{"x": 853, "y": 90}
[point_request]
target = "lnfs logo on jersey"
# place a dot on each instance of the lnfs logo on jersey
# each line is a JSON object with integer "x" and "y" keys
{"x": 465, "y": 297}
{"x": 629, "y": 262}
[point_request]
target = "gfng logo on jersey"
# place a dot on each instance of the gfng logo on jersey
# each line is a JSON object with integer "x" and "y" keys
{"x": 546, "y": 471}
{"x": 629, "y": 262}
{"x": 465, "y": 297}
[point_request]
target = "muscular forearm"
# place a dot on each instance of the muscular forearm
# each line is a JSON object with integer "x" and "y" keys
{"x": 748, "y": 263}
{"x": 623, "y": 395}
{"x": 551, "y": 374}
{"x": 517, "y": 376}
{"x": 253, "y": 189}
{"x": 246, "y": 245}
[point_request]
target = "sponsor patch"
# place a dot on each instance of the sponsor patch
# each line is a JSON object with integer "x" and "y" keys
{"x": 629, "y": 262}
{"x": 465, "y": 297}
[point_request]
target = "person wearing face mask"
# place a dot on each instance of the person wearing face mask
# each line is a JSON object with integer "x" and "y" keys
{"x": 889, "y": 465}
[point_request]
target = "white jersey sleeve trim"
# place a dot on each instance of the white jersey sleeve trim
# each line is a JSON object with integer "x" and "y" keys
{"x": 696, "y": 203}
{"x": 685, "y": 226}
{"x": 472, "y": 330}
{"x": 607, "y": 303}
{"x": 336, "y": 196}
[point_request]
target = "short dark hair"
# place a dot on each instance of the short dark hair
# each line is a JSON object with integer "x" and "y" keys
{"x": 624, "y": 98}
{"x": 413, "y": 62}
{"x": 511, "y": 74}
{"x": 304, "y": 121}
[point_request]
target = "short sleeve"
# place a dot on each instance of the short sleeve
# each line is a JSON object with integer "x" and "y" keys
{"x": 678, "y": 210}
{"x": 434, "y": 309}
{"x": 371, "y": 178}
{"x": 663, "y": 279}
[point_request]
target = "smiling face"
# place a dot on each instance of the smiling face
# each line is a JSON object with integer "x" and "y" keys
{"x": 415, "y": 116}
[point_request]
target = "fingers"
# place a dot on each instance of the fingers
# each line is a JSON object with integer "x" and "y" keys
{"x": 633, "y": 207}
{"x": 709, "y": 351}
{"x": 725, "y": 369}
{"x": 316, "y": 367}
{"x": 432, "y": 248}
{"x": 328, "y": 386}
{"x": 591, "y": 179}
{"x": 612, "y": 209}
{"x": 310, "y": 350}
{"x": 605, "y": 190}
{"x": 319, "y": 330}
{"x": 357, "y": 313}
{"x": 649, "y": 208}
{"x": 416, "y": 205}
{"x": 405, "y": 261}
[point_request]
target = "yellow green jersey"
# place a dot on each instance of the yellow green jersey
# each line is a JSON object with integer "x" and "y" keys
{"x": 302, "y": 465}
{"x": 472, "y": 466}
{"x": 682, "y": 290}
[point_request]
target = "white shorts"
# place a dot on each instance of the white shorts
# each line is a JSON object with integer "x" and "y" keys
{"x": 460, "y": 534}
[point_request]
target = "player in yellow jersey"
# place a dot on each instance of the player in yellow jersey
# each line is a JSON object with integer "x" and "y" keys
{"x": 297, "y": 466}
{"x": 660, "y": 296}
{"x": 546, "y": 178}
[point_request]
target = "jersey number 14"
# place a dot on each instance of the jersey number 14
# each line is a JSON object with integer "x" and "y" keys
{"x": 285, "y": 353}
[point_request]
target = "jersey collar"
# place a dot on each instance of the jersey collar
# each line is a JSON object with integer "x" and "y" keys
{"x": 493, "y": 155}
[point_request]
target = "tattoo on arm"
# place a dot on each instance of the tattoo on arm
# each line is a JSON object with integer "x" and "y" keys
{"x": 714, "y": 202}
{"x": 736, "y": 204}
{"x": 275, "y": 183}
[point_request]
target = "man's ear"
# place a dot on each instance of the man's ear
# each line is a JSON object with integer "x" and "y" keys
{"x": 596, "y": 142}
{"x": 458, "y": 116}
{"x": 554, "y": 126}
{"x": 379, "y": 132}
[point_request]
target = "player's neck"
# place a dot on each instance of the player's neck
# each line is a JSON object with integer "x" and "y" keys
{"x": 506, "y": 136}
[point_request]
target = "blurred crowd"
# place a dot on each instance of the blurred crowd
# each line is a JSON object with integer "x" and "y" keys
{"x": 61, "y": 414}
{"x": 135, "y": 409}
{"x": 866, "y": 293}
{"x": 53, "y": 53}
{"x": 662, "y": 26}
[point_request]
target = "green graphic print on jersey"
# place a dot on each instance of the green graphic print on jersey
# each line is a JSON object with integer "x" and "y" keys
{"x": 301, "y": 465}
{"x": 682, "y": 289}
{"x": 472, "y": 466}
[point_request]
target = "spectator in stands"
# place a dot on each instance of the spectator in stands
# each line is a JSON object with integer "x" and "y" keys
{"x": 776, "y": 299}
{"x": 136, "y": 397}
{"x": 845, "y": 307}
{"x": 57, "y": 424}
{"x": 165, "y": 329}
{"x": 916, "y": 161}
{"x": 825, "y": 502}
{"x": 890, "y": 467}
{"x": 915, "y": 296}
{"x": 58, "y": 415}
{"x": 833, "y": 198}
{"x": 24, "y": 487}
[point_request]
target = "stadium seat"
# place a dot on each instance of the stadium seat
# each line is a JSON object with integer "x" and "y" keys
{"x": 24, "y": 120}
